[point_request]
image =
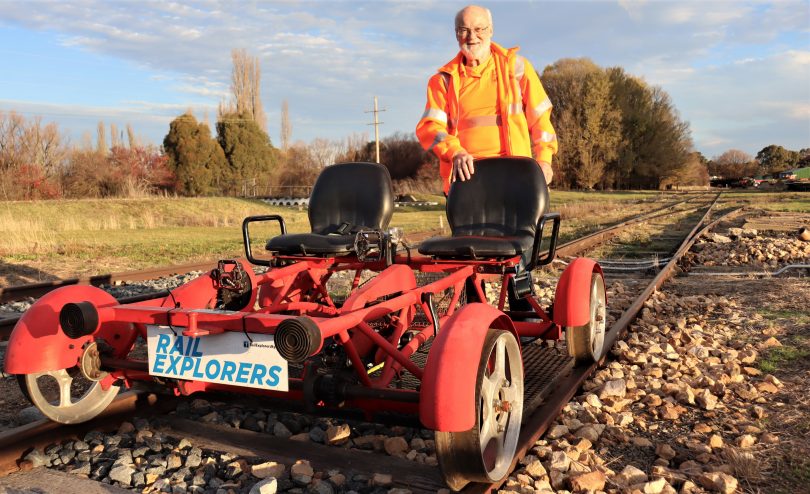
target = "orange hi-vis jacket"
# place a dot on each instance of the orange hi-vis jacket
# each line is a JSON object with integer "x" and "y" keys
{"x": 466, "y": 107}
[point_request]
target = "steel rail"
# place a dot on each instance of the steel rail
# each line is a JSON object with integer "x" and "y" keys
{"x": 17, "y": 292}
{"x": 567, "y": 387}
{"x": 574, "y": 247}
{"x": 7, "y": 323}
{"x": 16, "y": 443}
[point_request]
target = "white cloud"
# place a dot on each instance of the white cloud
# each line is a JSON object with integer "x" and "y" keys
{"x": 797, "y": 59}
{"x": 729, "y": 66}
{"x": 793, "y": 109}
{"x": 633, "y": 8}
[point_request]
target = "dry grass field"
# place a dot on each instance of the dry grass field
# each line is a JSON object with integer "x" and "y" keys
{"x": 44, "y": 240}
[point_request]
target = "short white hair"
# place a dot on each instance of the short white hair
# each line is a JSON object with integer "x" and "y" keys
{"x": 461, "y": 12}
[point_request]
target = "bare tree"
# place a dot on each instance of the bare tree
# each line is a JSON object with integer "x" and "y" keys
{"x": 87, "y": 141}
{"x": 12, "y": 130}
{"x": 286, "y": 127}
{"x": 352, "y": 148}
{"x": 114, "y": 140}
{"x": 132, "y": 141}
{"x": 733, "y": 164}
{"x": 101, "y": 139}
{"x": 31, "y": 157}
{"x": 323, "y": 151}
{"x": 245, "y": 87}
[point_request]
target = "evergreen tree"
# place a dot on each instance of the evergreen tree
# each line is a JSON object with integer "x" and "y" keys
{"x": 194, "y": 156}
{"x": 774, "y": 159}
{"x": 250, "y": 154}
{"x": 601, "y": 126}
{"x": 655, "y": 144}
{"x": 564, "y": 82}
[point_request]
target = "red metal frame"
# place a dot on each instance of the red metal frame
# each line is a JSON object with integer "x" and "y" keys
{"x": 297, "y": 287}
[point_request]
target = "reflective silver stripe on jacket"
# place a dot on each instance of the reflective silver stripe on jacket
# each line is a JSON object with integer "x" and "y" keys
{"x": 435, "y": 114}
{"x": 520, "y": 67}
{"x": 439, "y": 138}
{"x": 515, "y": 108}
{"x": 544, "y": 137}
{"x": 540, "y": 109}
{"x": 480, "y": 121}
{"x": 445, "y": 79}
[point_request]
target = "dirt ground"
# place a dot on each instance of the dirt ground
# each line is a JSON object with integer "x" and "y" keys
{"x": 778, "y": 308}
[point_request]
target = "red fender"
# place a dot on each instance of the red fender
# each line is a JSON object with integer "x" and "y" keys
{"x": 572, "y": 299}
{"x": 37, "y": 343}
{"x": 447, "y": 397}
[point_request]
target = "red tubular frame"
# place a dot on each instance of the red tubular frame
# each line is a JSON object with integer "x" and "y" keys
{"x": 296, "y": 288}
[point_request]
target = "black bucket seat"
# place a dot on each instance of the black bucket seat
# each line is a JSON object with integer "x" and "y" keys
{"x": 346, "y": 198}
{"x": 495, "y": 214}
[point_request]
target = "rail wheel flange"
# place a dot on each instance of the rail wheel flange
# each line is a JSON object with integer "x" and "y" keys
{"x": 587, "y": 343}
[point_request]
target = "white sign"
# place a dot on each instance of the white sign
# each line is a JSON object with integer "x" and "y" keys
{"x": 227, "y": 358}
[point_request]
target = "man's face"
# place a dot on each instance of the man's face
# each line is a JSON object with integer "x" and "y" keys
{"x": 474, "y": 34}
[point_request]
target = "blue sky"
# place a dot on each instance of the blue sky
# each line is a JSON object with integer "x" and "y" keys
{"x": 738, "y": 72}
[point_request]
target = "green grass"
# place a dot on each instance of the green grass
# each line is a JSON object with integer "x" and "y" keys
{"x": 792, "y": 202}
{"x": 799, "y": 317}
{"x": 781, "y": 357}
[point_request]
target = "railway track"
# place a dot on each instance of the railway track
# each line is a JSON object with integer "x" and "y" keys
{"x": 417, "y": 478}
{"x": 35, "y": 290}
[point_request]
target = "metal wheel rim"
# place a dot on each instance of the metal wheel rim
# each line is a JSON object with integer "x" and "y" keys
{"x": 500, "y": 429}
{"x": 68, "y": 410}
{"x": 598, "y": 323}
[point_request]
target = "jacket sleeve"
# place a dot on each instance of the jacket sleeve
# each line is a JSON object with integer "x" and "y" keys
{"x": 433, "y": 129}
{"x": 538, "y": 114}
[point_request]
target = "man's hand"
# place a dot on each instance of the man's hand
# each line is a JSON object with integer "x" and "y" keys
{"x": 463, "y": 167}
{"x": 548, "y": 172}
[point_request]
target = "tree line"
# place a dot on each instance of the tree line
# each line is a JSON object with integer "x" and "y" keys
{"x": 615, "y": 131}
{"x": 768, "y": 163}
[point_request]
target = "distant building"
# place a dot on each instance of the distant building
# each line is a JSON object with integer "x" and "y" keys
{"x": 796, "y": 173}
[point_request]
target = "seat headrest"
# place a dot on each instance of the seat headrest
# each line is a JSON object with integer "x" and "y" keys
{"x": 359, "y": 194}
{"x": 505, "y": 196}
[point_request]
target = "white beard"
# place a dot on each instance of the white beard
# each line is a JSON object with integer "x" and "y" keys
{"x": 480, "y": 52}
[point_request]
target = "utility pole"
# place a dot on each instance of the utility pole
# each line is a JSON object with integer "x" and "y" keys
{"x": 376, "y": 125}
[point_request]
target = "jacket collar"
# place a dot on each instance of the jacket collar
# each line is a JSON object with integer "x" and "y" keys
{"x": 454, "y": 65}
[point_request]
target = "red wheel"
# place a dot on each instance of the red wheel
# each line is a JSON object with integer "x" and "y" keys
{"x": 587, "y": 343}
{"x": 485, "y": 452}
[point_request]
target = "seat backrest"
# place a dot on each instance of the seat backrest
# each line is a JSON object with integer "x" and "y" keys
{"x": 504, "y": 197}
{"x": 357, "y": 194}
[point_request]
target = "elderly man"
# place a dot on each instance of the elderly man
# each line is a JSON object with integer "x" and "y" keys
{"x": 487, "y": 101}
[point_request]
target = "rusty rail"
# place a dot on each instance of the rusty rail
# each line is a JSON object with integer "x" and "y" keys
{"x": 17, "y": 292}
{"x": 16, "y": 443}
